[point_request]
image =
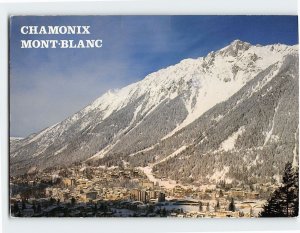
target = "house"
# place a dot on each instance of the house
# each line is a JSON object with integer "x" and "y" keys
{"x": 69, "y": 182}
{"x": 147, "y": 184}
{"x": 88, "y": 196}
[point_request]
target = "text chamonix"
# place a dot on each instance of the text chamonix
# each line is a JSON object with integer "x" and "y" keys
{"x": 58, "y": 30}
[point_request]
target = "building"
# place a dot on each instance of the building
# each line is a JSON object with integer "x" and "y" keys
{"x": 252, "y": 195}
{"x": 161, "y": 197}
{"x": 69, "y": 182}
{"x": 178, "y": 191}
{"x": 139, "y": 195}
{"x": 64, "y": 196}
{"x": 237, "y": 193}
{"x": 48, "y": 192}
{"x": 89, "y": 196}
{"x": 143, "y": 196}
{"x": 147, "y": 184}
{"x": 134, "y": 194}
{"x": 152, "y": 194}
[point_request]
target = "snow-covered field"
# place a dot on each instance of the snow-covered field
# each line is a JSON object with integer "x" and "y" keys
{"x": 169, "y": 184}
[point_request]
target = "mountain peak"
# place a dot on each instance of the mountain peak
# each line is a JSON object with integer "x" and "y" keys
{"x": 234, "y": 47}
{"x": 239, "y": 42}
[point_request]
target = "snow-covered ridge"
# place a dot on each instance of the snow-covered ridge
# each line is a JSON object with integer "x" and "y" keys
{"x": 15, "y": 138}
{"x": 189, "y": 68}
{"x": 213, "y": 79}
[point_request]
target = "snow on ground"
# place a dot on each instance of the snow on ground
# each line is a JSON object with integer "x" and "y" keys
{"x": 185, "y": 208}
{"x": 218, "y": 118}
{"x": 270, "y": 132}
{"x": 144, "y": 150}
{"x": 36, "y": 137}
{"x": 167, "y": 183}
{"x": 277, "y": 178}
{"x": 172, "y": 155}
{"x": 220, "y": 175}
{"x": 101, "y": 153}
{"x": 15, "y": 138}
{"x": 212, "y": 92}
{"x": 229, "y": 143}
{"x": 61, "y": 149}
{"x": 295, "y": 158}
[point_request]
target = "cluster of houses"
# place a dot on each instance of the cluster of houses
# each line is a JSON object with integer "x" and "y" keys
{"x": 89, "y": 191}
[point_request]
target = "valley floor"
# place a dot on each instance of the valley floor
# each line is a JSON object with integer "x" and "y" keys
{"x": 83, "y": 191}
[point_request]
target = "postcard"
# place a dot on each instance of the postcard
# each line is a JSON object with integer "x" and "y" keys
{"x": 183, "y": 116}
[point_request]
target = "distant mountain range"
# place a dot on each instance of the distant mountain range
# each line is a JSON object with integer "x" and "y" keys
{"x": 232, "y": 115}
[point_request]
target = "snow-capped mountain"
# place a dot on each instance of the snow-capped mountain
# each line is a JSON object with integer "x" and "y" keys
{"x": 168, "y": 117}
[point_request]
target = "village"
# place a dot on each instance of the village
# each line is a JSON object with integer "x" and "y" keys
{"x": 85, "y": 191}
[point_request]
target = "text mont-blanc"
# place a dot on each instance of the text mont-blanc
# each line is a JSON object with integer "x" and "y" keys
{"x": 58, "y": 30}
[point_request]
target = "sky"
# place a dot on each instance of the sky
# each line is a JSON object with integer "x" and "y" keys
{"x": 48, "y": 85}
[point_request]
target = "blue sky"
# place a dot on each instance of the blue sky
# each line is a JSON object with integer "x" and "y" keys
{"x": 48, "y": 85}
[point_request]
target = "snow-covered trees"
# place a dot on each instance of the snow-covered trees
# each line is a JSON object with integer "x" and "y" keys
{"x": 284, "y": 202}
